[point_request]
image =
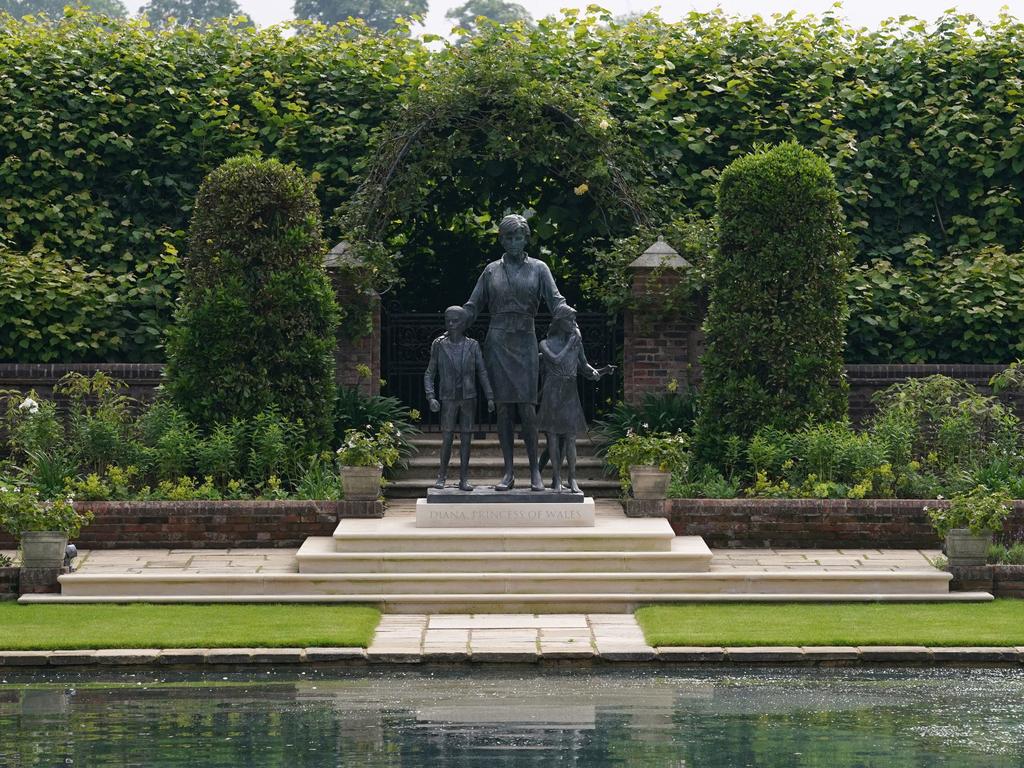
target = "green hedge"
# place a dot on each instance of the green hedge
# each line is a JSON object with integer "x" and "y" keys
{"x": 106, "y": 131}
{"x": 255, "y": 327}
{"x": 777, "y": 310}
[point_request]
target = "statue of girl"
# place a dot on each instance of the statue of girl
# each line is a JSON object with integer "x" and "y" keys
{"x": 561, "y": 413}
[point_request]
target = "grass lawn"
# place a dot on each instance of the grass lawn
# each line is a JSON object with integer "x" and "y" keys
{"x": 70, "y": 627}
{"x": 1000, "y": 622}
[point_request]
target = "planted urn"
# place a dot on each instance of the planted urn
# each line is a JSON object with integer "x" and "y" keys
{"x": 41, "y": 527}
{"x": 362, "y": 458}
{"x": 968, "y": 524}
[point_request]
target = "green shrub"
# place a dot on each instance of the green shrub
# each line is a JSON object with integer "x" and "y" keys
{"x": 945, "y": 422}
{"x": 667, "y": 452}
{"x": 53, "y": 308}
{"x": 670, "y": 412}
{"x": 355, "y": 410}
{"x": 981, "y": 510}
{"x": 110, "y": 185}
{"x": 935, "y": 310}
{"x": 777, "y": 313}
{"x": 99, "y": 421}
{"x": 255, "y": 329}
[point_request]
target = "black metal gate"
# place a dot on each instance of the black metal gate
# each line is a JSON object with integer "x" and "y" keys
{"x": 406, "y": 338}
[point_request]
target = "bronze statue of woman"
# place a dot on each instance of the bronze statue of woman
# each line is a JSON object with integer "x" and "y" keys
{"x": 512, "y": 288}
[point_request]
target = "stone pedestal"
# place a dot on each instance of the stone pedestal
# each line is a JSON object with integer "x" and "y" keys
{"x": 487, "y": 508}
{"x": 39, "y": 580}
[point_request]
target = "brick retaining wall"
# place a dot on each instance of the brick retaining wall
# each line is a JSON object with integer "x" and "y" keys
{"x": 810, "y": 523}
{"x": 9, "y": 583}
{"x": 1000, "y": 580}
{"x": 212, "y": 524}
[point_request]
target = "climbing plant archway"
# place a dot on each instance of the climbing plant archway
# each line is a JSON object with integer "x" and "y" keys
{"x": 479, "y": 136}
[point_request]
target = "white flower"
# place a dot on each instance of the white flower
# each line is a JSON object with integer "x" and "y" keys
{"x": 938, "y": 496}
{"x": 30, "y": 405}
{"x": 645, "y": 425}
{"x": 603, "y": 125}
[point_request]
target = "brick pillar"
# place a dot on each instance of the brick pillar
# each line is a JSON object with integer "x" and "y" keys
{"x": 659, "y": 346}
{"x": 364, "y": 349}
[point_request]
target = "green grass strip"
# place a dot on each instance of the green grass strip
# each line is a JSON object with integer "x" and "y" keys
{"x": 997, "y": 623}
{"x": 74, "y": 627}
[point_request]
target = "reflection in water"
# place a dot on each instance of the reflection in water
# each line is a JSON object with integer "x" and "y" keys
{"x": 515, "y": 716}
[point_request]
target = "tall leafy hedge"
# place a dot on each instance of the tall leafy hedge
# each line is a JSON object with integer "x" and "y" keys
{"x": 777, "y": 306}
{"x": 255, "y": 327}
{"x": 106, "y": 131}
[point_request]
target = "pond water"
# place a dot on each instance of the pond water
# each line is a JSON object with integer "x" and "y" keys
{"x": 515, "y": 716}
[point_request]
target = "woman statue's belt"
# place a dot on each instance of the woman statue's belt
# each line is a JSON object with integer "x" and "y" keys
{"x": 512, "y": 321}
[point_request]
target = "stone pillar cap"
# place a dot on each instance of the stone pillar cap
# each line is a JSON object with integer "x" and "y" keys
{"x": 660, "y": 254}
{"x": 341, "y": 256}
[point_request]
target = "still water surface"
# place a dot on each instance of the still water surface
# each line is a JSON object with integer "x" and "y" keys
{"x": 515, "y": 716}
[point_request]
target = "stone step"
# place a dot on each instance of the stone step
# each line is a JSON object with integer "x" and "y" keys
{"x": 432, "y": 441}
{"x": 490, "y": 603}
{"x": 506, "y": 586}
{"x": 495, "y": 463}
{"x": 398, "y": 533}
{"x": 405, "y": 487}
{"x": 687, "y": 554}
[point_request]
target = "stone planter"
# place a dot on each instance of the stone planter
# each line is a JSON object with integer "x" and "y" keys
{"x": 43, "y": 549}
{"x": 361, "y": 483}
{"x": 966, "y": 548}
{"x": 649, "y": 482}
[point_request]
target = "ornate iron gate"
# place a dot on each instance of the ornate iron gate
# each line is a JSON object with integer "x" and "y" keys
{"x": 406, "y": 338}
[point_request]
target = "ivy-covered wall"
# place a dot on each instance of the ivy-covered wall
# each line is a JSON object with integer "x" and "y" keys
{"x": 106, "y": 131}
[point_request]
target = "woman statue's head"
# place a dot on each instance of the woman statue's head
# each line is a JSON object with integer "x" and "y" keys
{"x": 513, "y": 232}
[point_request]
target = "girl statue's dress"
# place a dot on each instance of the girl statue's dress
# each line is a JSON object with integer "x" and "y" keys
{"x": 560, "y": 410}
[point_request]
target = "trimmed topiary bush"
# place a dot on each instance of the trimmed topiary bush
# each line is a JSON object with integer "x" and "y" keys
{"x": 255, "y": 327}
{"x": 777, "y": 315}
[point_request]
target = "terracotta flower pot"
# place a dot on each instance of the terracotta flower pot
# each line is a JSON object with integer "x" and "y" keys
{"x": 43, "y": 549}
{"x": 966, "y": 548}
{"x": 649, "y": 482}
{"x": 361, "y": 483}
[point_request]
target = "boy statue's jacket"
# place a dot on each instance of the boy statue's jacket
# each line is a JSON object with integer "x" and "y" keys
{"x": 458, "y": 368}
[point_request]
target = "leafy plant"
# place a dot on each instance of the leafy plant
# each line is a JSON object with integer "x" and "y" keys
{"x": 946, "y": 419}
{"x": 667, "y": 452}
{"x": 99, "y": 419}
{"x": 319, "y": 478}
{"x": 256, "y": 324}
{"x": 670, "y": 412}
{"x": 708, "y": 484}
{"x": 777, "y": 308}
{"x": 366, "y": 448}
{"x": 355, "y": 410}
{"x": 21, "y": 510}
{"x": 980, "y": 510}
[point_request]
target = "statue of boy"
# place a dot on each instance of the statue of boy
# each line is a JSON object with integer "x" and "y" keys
{"x": 457, "y": 361}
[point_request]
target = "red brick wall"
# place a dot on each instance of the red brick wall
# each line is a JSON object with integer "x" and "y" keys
{"x": 212, "y": 524}
{"x": 657, "y": 348}
{"x": 141, "y": 378}
{"x": 349, "y": 353}
{"x": 811, "y": 523}
{"x": 1000, "y": 580}
{"x": 9, "y": 583}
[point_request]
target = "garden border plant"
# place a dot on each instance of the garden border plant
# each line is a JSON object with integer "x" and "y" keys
{"x": 777, "y": 311}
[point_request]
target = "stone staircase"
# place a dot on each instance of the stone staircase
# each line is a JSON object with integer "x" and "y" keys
{"x": 614, "y": 566}
{"x": 486, "y": 467}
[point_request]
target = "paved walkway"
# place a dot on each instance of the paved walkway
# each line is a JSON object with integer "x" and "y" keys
{"x": 511, "y": 637}
{"x": 283, "y": 560}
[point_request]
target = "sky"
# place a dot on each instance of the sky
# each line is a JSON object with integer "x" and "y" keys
{"x": 866, "y": 13}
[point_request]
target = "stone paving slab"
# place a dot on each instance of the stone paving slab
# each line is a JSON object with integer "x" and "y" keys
{"x": 519, "y": 653}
